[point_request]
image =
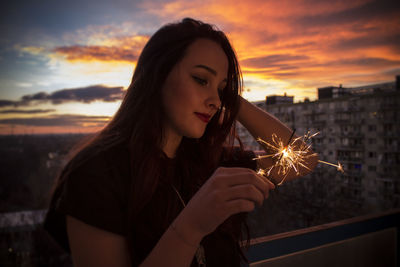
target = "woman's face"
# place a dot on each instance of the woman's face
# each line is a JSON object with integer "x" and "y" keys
{"x": 190, "y": 93}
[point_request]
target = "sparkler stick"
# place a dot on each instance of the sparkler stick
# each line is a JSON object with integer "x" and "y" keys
{"x": 289, "y": 157}
{"x": 339, "y": 166}
{"x": 288, "y": 143}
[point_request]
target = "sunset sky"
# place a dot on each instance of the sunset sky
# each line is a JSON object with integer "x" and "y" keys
{"x": 64, "y": 65}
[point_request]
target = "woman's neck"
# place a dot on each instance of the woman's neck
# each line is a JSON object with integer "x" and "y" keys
{"x": 171, "y": 143}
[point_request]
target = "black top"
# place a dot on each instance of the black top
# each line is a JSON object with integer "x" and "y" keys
{"x": 97, "y": 194}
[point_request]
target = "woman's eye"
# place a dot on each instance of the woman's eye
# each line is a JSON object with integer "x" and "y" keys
{"x": 200, "y": 80}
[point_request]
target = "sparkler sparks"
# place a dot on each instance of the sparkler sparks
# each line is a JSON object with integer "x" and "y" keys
{"x": 290, "y": 156}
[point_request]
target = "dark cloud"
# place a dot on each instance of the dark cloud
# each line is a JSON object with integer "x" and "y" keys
{"x": 58, "y": 120}
{"x": 7, "y": 103}
{"x": 392, "y": 72}
{"x": 58, "y": 17}
{"x": 283, "y": 75}
{"x": 37, "y": 96}
{"x": 280, "y": 69}
{"x": 280, "y": 61}
{"x": 378, "y": 9}
{"x": 392, "y": 41}
{"x": 301, "y": 45}
{"x": 368, "y": 61}
{"x": 85, "y": 95}
{"x": 26, "y": 111}
{"x": 276, "y": 74}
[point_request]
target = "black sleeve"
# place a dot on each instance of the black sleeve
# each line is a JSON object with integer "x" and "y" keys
{"x": 237, "y": 157}
{"x": 92, "y": 194}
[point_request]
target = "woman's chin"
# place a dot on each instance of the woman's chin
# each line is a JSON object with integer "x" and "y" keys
{"x": 195, "y": 135}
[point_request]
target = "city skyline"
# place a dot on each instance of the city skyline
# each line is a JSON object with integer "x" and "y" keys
{"x": 65, "y": 66}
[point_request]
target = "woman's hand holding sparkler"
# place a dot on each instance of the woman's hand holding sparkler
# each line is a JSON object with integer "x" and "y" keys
{"x": 227, "y": 192}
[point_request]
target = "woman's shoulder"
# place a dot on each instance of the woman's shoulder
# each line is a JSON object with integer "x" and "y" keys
{"x": 102, "y": 174}
{"x": 93, "y": 190}
{"x": 100, "y": 160}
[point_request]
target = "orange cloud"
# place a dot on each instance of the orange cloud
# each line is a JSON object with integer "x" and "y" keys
{"x": 308, "y": 42}
{"x": 125, "y": 49}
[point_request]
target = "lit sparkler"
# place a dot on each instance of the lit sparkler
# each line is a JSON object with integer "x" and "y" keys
{"x": 290, "y": 156}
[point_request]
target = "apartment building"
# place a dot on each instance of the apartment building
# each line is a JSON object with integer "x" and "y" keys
{"x": 359, "y": 127}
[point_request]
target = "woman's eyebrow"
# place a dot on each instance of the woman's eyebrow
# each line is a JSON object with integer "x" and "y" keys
{"x": 212, "y": 71}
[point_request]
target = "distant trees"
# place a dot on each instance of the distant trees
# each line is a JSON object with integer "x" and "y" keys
{"x": 308, "y": 201}
{"x": 29, "y": 165}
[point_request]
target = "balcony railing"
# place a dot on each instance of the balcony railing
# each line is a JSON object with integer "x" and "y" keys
{"x": 361, "y": 241}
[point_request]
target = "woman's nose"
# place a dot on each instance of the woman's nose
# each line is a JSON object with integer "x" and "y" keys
{"x": 214, "y": 101}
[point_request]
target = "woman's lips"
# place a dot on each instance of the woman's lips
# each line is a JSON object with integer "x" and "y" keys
{"x": 203, "y": 117}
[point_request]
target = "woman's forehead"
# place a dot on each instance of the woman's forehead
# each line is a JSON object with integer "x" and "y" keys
{"x": 207, "y": 53}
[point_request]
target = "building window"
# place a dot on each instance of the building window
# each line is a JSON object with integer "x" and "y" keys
{"x": 388, "y": 142}
{"x": 372, "y": 141}
{"x": 372, "y": 154}
{"x": 372, "y": 168}
{"x": 356, "y": 193}
{"x": 356, "y": 128}
{"x": 344, "y": 141}
{"x": 387, "y": 127}
{"x": 358, "y": 167}
{"x": 373, "y": 115}
{"x": 358, "y": 141}
{"x": 372, "y": 128}
{"x": 357, "y": 154}
{"x": 387, "y": 184}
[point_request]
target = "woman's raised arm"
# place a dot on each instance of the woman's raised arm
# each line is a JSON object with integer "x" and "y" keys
{"x": 263, "y": 125}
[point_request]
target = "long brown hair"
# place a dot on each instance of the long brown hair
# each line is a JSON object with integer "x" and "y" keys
{"x": 139, "y": 120}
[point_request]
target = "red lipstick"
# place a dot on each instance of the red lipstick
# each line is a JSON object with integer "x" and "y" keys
{"x": 203, "y": 117}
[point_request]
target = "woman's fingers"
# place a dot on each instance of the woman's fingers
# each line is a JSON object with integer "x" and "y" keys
{"x": 270, "y": 184}
{"x": 238, "y": 176}
{"x": 239, "y": 205}
{"x": 227, "y": 192}
{"x": 245, "y": 191}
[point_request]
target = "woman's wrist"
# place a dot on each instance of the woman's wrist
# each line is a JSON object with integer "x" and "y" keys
{"x": 246, "y": 111}
{"x": 182, "y": 237}
{"x": 187, "y": 234}
{"x": 241, "y": 107}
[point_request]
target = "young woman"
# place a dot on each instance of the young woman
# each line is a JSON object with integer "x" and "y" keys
{"x": 162, "y": 184}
